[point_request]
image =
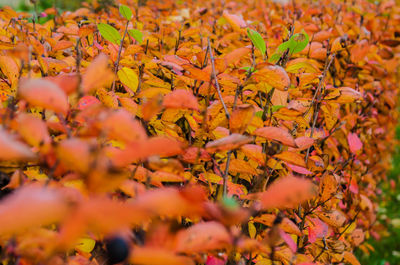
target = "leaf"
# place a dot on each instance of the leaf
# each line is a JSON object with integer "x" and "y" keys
{"x": 74, "y": 154}
{"x": 276, "y": 134}
{"x": 230, "y": 142}
{"x": 334, "y": 218}
{"x": 157, "y": 256}
{"x": 254, "y": 152}
{"x": 252, "y": 229}
{"x": 181, "y": 99}
{"x": 304, "y": 142}
{"x": 327, "y": 186}
{"x": 288, "y": 240}
{"x": 203, "y": 237}
{"x": 97, "y": 75}
{"x": 109, "y": 33}
{"x": 292, "y": 158}
{"x": 85, "y": 244}
{"x": 241, "y": 118}
{"x": 125, "y": 11}
{"x": 140, "y": 150}
{"x": 121, "y": 126}
{"x": 350, "y": 258}
{"x": 286, "y": 225}
{"x": 87, "y": 101}
{"x": 298, "y": 42}
{"x": 34, "y": 131}
{"x": 45, "y": 94}
{"x": 31, "y": 206}
{"x": 67, "y": 82}
{"x": 257, "y": 40}
{"x": 316, "y": 229}
{"x": 129, "y": 78}
{"x": 235, "y": 21}
{"x": 275, "y": 76}
{"x": 286, "y": 192}
{"x": 354, "y": 142}
{"x": 11, "y": 149}
{"x": 136, "y": 34}
{"x": 359, "y": 50}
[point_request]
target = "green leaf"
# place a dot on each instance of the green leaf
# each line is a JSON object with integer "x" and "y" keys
{"x": 295, "y": 44}
{"x": 136, "y": 34}
{"x": 125, "y": 11}
{"x": 298, "y": 42}
{"x": 276, "y": 108}
{"x": 257, "y": 40}
{"x": 275, "y": 57}
{"x": 259, "y": 114}
{"x": 109, "y": 33}
{"x": 230, "y": 203}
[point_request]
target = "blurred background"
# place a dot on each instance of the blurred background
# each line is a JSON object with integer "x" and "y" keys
{"x": 26, "y": 5}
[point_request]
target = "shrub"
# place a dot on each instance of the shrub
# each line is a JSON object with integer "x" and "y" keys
{"x": 185, "y": 132}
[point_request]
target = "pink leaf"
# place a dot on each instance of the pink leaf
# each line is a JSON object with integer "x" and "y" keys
{"x": 289, "y": 241}
{"x": 355, "y": 143}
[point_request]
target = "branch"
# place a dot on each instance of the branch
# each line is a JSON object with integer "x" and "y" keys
{"x": 214, "y": 77}
{"x": 119, "y": 53}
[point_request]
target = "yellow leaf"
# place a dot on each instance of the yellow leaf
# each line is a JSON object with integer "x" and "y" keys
{"x": 252, "y": 230}
{"x": 129, "y": 78}
{"x": 85, "y": 244}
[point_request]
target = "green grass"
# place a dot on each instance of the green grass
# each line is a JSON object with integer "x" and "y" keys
{"x": 388, "y": 248}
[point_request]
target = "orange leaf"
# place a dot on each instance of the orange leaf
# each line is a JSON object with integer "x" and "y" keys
{"x": 275, "y": 76}
{"x": 97, "y": 75}
{"x": 350, "y": 258}
{"x": 45, "y": 94}
{"x": 74, "y": 153}
{"x": 180, "y": 99}
{"x": 33, "y": 130}
{"x": 304, "y": 142}
{"x": 359, "y": 51}
{"x": 139, "y": 150}
{"x": 241, "y": 118}
{"x": 120, "y": 125}
{"x": 230, "y": 142}
{"x": 277, "y": 134}
{"x": 203, "y": 237}
{"x": 30, "y": 206}
{"x": 67, "y": 82}
{"x": 334, "y": 218}
{"x": 235, "y": 21}
{"x": 171, "y": 202}
{"x": 157, "y": 256}
{"x": 292, "y": 158}
{"x": 11, "y": 149}
{"x": 286, "y": 225}
{"x": 254, "y": 152}
{"x": 287, "y": 192}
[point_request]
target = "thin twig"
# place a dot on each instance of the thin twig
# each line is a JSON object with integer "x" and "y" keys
{"x": 318, "y": 93}
{"x": 214, "y": 77}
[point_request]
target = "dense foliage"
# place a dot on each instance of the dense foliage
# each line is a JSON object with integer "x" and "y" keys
{"x": 196, "y": 132}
